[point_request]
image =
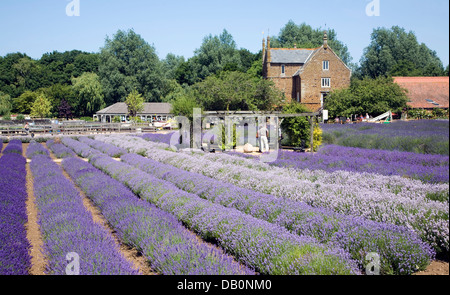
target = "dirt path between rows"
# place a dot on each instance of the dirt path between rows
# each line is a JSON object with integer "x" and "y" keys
{"x": 38, "y": 261}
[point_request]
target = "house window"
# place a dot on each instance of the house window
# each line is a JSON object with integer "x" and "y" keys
{"x": 326, "y": 65}
{"x": 283, "y": 69}
{"x": 326, "y": 82}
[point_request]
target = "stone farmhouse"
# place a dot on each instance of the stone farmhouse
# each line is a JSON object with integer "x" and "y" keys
{"x": 305, "y": 75}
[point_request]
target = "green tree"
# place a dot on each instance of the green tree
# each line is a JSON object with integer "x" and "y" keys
{"x": 57, "y": 93}
{"x": 128, "y": 62}
{"x": 214, "y": 55}
{"x": 372, "y": 96}
{"x": 393, "y": 50}
{"x": 170, "y": 65}
{"x": 298, "y": 129}
{"x": 89, "y": 92}
{"x": 304, "y": 36}
{"x": 135, "y": 103}
{"x": 5, "y": 104}
{"x": 41, "y": 107}
{"x": 236, "y": 91}
{"x": 24, "y": 102}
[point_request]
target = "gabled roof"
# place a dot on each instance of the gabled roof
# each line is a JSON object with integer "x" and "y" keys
{"x": 290, "y": 55}
{"x": 149, "y": 109}
{"x": 426, "y": 92}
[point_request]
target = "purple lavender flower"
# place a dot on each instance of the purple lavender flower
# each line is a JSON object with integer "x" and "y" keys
{"x": 390, "y": 199}
{"x": 356, "y": 235}
{"x": 14, "y": 245}
{"x": 266, "y": 247}
{"x": 67, "y": 226}
{"x": 109, "y": 149}
{"x": 36, "y": 149}
{"x": 163, "y": 240}
{"x": 60, "y": 150}
{"x": 14, "y": 146}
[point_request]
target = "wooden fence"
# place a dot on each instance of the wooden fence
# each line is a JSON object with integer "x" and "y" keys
{"x": 80, "y": 128}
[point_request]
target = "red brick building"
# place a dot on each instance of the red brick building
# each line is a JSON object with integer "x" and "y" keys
{"x": 305, "y": 75}
{"x": 426, "y": 92}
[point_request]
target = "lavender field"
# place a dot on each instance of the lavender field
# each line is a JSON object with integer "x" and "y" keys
{"x": 424, "y": 136}
{"x": 193, "y": 213}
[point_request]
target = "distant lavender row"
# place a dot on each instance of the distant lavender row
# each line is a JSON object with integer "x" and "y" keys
{"x": 426, "y": 136}
{"x": 110, "y": 150}
{"x": 392, "y": 199}
{"x": 14, "y": 146}
{"x": 60, "y": 150}
{"x": 35, "y": 149}
{"x": 67, "y": 226}
{"x": 158, "y": 137}
{"x": 268, "y": 248}
{"x": 81, "y": 149}
{"x": 162, "y": 239}
{"x": 14, "y": 245}
{"x": 420, "y": 128}
{"x": 356, "y": 235}
{"x": 427, "y": 168}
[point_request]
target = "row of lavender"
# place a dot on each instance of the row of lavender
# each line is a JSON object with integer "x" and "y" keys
{"x": 164, "y": 241}
{"x": 67, "y": 226}
{"x": 159, "y": 236}
{"x": 353, "y": 234}
{"x": 268, "y": 248}
{"x": 356, "y": 235}
{"x": 14, "y": 245}
{"x": 424, "y": 136}
{"x": 393, "y": 199}
{"x": 427, "y": 168}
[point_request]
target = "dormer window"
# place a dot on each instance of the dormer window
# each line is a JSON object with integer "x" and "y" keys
{"x": 326, "y": 65}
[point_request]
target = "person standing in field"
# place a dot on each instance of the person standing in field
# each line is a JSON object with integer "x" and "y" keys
{"x": 263, "y": 134}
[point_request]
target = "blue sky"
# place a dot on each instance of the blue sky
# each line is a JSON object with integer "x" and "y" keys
{"x": 35, "y": 27}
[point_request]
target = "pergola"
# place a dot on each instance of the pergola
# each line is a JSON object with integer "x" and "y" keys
{"x": 262, "y": 116}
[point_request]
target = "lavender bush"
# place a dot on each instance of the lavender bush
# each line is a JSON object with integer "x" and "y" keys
{"x": 110, "y": 150}
{"x": 36, "y": 149}
{"x": 356, "y": 235}
{"x": 68, "y": 227}
{"x": 268, "y": 248}
{"x": 426, "y": 136}
{"x": 81, "y": 149}
{"x": 427, "y": 168}
{"x": 14, "y": 146}
{"x": 393, "y": 199}
{"x": 163, "y": 240}
{"x": 60, "y": 150}
{"x": 158, "y": 137}
{"x": 14, "y": 245}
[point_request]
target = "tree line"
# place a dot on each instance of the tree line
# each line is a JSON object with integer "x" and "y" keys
{"x": 219, "y": 76}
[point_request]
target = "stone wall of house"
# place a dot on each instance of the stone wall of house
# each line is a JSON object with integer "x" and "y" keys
{"x": 313, "y": 72}
{"x": 283, "y": 82}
